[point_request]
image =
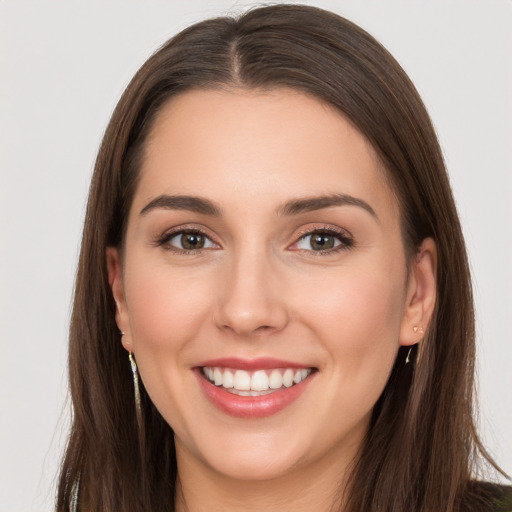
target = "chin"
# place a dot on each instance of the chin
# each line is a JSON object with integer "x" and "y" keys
{"x": 247, "y": 456}
{"x": 255, "y": 465}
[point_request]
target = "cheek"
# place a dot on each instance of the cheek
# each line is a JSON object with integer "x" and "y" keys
{"x": 354, "y": 298}
{"x": 356, "y": 316}
{"x": 164, "y": 304}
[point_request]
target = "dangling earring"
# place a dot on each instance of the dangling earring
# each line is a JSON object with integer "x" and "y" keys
{"x": 415, "y": 329}
{"x": 408, "y": 358}
{"x": 73, "y": 502}
{"x": 138, "y": 409}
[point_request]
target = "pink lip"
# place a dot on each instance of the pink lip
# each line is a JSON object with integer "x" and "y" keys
{"x": 250, "y": 406}
{"x": 262, "y": 363}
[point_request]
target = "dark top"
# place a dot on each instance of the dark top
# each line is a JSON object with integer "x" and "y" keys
{"x": 487, "y": 497}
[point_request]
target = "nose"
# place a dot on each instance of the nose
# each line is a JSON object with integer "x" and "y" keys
{"x": 253, "y": 298}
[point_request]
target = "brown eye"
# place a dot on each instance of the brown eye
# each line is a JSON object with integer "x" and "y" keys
{"x": 191, "y": 241}
{"x": 187, "y": 241}
{"x": 322, "y": 241}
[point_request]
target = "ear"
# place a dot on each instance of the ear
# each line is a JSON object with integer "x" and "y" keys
{"x": 421, "y": 294}
{"x": 115, "y": 280}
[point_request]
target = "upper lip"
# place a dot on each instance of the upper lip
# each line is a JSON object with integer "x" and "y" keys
{"x": 260, "y": 363}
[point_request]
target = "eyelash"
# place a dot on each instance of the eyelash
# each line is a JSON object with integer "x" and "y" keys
{"x": 167, "y": 237}
{"x": 346, "y": 241}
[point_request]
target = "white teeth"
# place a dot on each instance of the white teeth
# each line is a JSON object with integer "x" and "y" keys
{"x": 228, "y": 380}
{"x": 217, "y": 376}
{"x": 242, "y": 380}
{"x": 276, "y": 380}
{"x": 288, "y": 378}
{"x": 261, "y": 382}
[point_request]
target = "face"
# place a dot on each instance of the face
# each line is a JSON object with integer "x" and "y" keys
{"x": 262, "y": 286}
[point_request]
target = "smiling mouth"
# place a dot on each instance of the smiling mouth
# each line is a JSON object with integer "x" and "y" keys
{"x": 255, "y": 383}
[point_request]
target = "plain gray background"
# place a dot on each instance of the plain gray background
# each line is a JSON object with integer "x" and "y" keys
{"x": 63, "y": 65}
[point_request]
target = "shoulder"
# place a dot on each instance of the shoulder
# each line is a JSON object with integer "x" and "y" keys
{"x": 487, "y": 497}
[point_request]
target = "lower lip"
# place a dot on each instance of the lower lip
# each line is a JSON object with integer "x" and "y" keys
{"x": 252, "y": 406}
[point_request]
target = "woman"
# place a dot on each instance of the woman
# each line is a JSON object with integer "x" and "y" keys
{"x": 271, "y": 246}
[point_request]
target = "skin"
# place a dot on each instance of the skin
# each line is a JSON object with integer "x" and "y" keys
{"x": 260, "y": 290}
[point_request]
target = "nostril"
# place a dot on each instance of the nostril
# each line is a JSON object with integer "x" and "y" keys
{"x": 265, "y": 328}
{"x": 261, "y": 330}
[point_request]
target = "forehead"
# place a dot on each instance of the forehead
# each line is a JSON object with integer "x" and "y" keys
{"x": 258, "y": 148}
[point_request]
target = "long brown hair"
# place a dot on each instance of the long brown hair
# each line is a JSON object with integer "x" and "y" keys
{"x": 422, "y": 445}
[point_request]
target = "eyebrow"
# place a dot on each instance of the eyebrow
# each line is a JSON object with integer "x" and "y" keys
{"x": 293, "y": 207}
{"x": 190, "y": 203}
{"x": 310, "y": 204}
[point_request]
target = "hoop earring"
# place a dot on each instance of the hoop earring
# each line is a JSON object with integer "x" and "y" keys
{"x": 138, "y": 408}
